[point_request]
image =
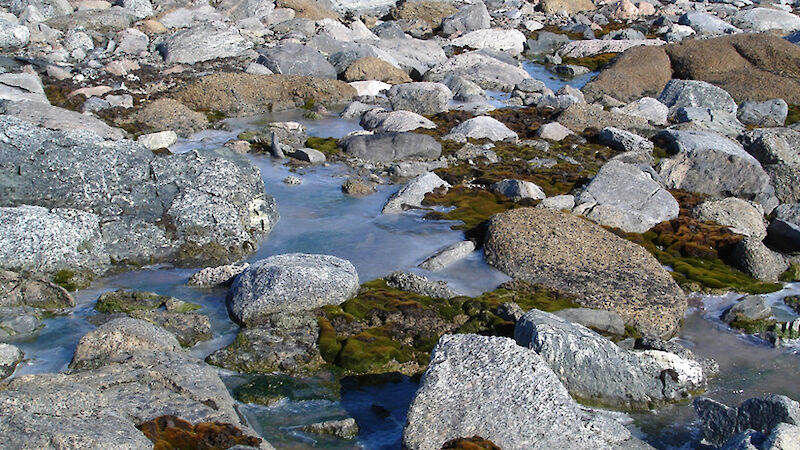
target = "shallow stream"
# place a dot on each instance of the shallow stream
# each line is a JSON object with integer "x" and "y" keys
{"x": 316, "y": 217}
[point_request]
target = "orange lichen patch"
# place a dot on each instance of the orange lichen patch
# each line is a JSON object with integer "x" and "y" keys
{"x": 472, "y": 443}
{"x": 174, "y": 433}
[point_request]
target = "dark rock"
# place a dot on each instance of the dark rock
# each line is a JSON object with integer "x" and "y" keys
{"x": 296, "y": 59}
{"x": 762, "y": 414}
{"x": 784, "y": 230}
{"x": 638, "y": 72}
{"x": 387, "y": 147}
{"x": 776, "y": 150}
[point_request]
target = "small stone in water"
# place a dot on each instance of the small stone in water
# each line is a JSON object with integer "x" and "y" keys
{"x": 292, "y": 180}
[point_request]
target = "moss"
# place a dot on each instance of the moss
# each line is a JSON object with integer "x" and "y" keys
{"x": 121, "y": 301}
{"x": 268, "y": 389}
{"x": 72, "y": 281}
{"x": 186, "y": 307}
{"x": 329, "y": 146}
{"x": 791, "y": 274}
{"x": 174, "y": 433}
{"x": 309, "y": 104}
{"x": 793, "y": 116}
{"x": 751, "y": 326}
{"x": 213, "y": 115}
{"x": 696, "y": 252}
{"x": 473, "y": 443}
{"x": 793, "y": 301}
{"x": 385, "y": 329}
{"x": 473, "y": 207}
{"x": 593, "y": 63}
{"x": 59, "y": 96}
{"x": 211, "y": 253}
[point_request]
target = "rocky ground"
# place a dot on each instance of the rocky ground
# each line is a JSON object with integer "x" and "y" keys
{"x": 674, "y": 170}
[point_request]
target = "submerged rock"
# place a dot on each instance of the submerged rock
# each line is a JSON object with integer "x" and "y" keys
{"x": 413, "y": 193}
{"x": 216, "y": 276}
{"x": 418, "y": 284}
{"x": 491, "y": 387}
{"x": 448, "y": 255}
{"x": 571, "y": 254}
{"x": 343, "y": 429}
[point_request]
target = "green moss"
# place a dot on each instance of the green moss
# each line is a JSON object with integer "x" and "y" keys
{"x": 268, "y": 389}
{"x": 309, "y": 104}
{"x": 186, "y": 307}
{"x": 211, "y": 253}
{"x": 329, "y": 146}
{"x": 72, "y": 281}
{"x": 473, "y": 207}
{"x": 793, "y": 301}
{"x": 793, "y": 116}
{"x": 213, "y": 115}
{"x": 791, "y": 274}
{"x": 751, "y": 326}
{"x": 329, "y": 346}
{"x": 593, "y": 63}
{"x": 121, "y": 301}
{"x": 373, "y": 349}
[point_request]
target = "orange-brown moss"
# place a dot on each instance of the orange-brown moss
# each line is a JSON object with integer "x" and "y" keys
{"x": 174, "y": 433}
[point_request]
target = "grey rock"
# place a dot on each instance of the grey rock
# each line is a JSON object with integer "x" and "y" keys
{"x": 553, "y": 131}
{"x": 751, "y": 307}
{"x": 290, "y": 283}
{"x": 10, "y": 356}
{"x": 343, "y": 429}
{"x": 595, "y": 369}
{"x": 420, "y": 285}
{"x": 557, "y": 102}
{"x": 471, "y": 152}
{"x": 766, "y": 19}
{"x": 648, "y": 108}
{"x": 624, "y": 141}
{"x": 13, "y": 35}
{"x": 691, "y": 93}
{"x": 22, "y": 86}
{"x": 203, "y": 42}
{"x": 740, "y": 216}
{"x": 118, "y": 339}
{"x": 624, "y": 196}
{"x": 546, "y": 43}
{"x": 712, "y": 164}
{"x": 403, "y": 170}
{"x": 783, "y": 232}
{"x": 56, "y": 118}
{"x": 464, "y": 90}
{"x": 386, "y": 147}
{"x": 771, "y": 113}
{"x": 140, "y": 9}
{"x": 783, "y": 436}
{"x": 706, "y": 119}
{"x": 22, "y": 291}
{"x": 596, "y": 319}
{"x": 210, "y": 199}
{"x": 484, "y": 68}
{"x": 489, "y": 386}
{"x": 482, "y": 127}
{"x": 558, "y": 203}
{"x": 296, "y": 59}
{"x": 394, "y": 121}
{"x": 101, "y": 20}
{"x": 413, "y": 193}
{"x": 39, "y": 240}
{"x": 570, "y": 70}
{"x": 754, "y": 258}
{"x": 421, "y": 98}
{"x": 761, "y": 414}
{"x": 776, "y": 150}
{"x": 285, "y": 343}
{"x": 159, "y": 140}
{"x": 468, "y": 18}
{"x": 308, "y": 155}
{"x": 517, "y": 190}
{"x": 414, "y": 56}
{"x": 47, "y": 8}
{"x": 704, "y": 23}
{"x": 448, "y": 255}
{"x": 509, "y": 311}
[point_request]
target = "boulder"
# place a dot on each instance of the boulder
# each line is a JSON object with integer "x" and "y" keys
{"x": 595, "y": 369}
{"x": 712, "y": 164}
{"x": 120, "y": 339}
{"x": 212, "y": 201}
{"x": 783, "y": 232}
{"x": 371, "y": 68}
{"x": 468, "y": 18}
{"x": 575, "y": 256}
{"x": 581, "y": 116}
{"x": 558, "y": 203}
{"x": 448, "y": 255}
{"x": 592, "y": 47}
{"x": 761, "y": 414}
{"x": 770, "y": 113}
{"x": 22, "y": 86}
{"x": 596, "y": 319}
{"x": 636, "y": 73}
{"x": 742, "y": 217}
{"x": 707, "y": 24}
{"x": 13, "y": 35}
{"x": 481, "y": 67}
{"x": 44, "y": 241}
{"x": 290, "y": 283}
{"x": 382, "y": 121}
{"x": 696, "y": 94}
{"x": 422, "y": 98}
{"x": 216, "y": 276}
{"x": 568, "y": 7}
{"x": 203, "y": 42}
{"x": 510, "y": 41}
{"x": 159, "y": 140}
{"x": 413, "y": 193}
{"x": 489, "y": 386}
{"x": 167, "y": 114}
{"x": 766, "y": 19}
{"x": 56, "y": 118}
{"x": 553, "y": 131}
{"x": 387, "y": 147}
{"x": 415, "y": 56}
{"x": 430, "y": 11}
{"x": 751, "y": 307}
{"x": 46, "y": 8}
{"x": 418, "y": 284}
{"x": 108, "y": 20}
{"x": 517, "y": 190}
{"x": 776, "y": 150}
{"x": 754, "y": 258}
{"x": 246, "y": 94}
{"x": 648, "y": 108}
{"x": 622, "y": 195}
{"x": 10, "y": 356}
{"x": 624, "y": 141}
{"x": 296, "y": 59}
{"x": 482, "y": 127}
{"x": 25, "y": 292}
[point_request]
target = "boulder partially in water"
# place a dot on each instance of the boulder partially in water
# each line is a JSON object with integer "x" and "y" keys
{"x": 491, "y": 387}
{"x": 10, "y": 356}
{"x": 573, "y": 255}
{"x": 768, "y": 416}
